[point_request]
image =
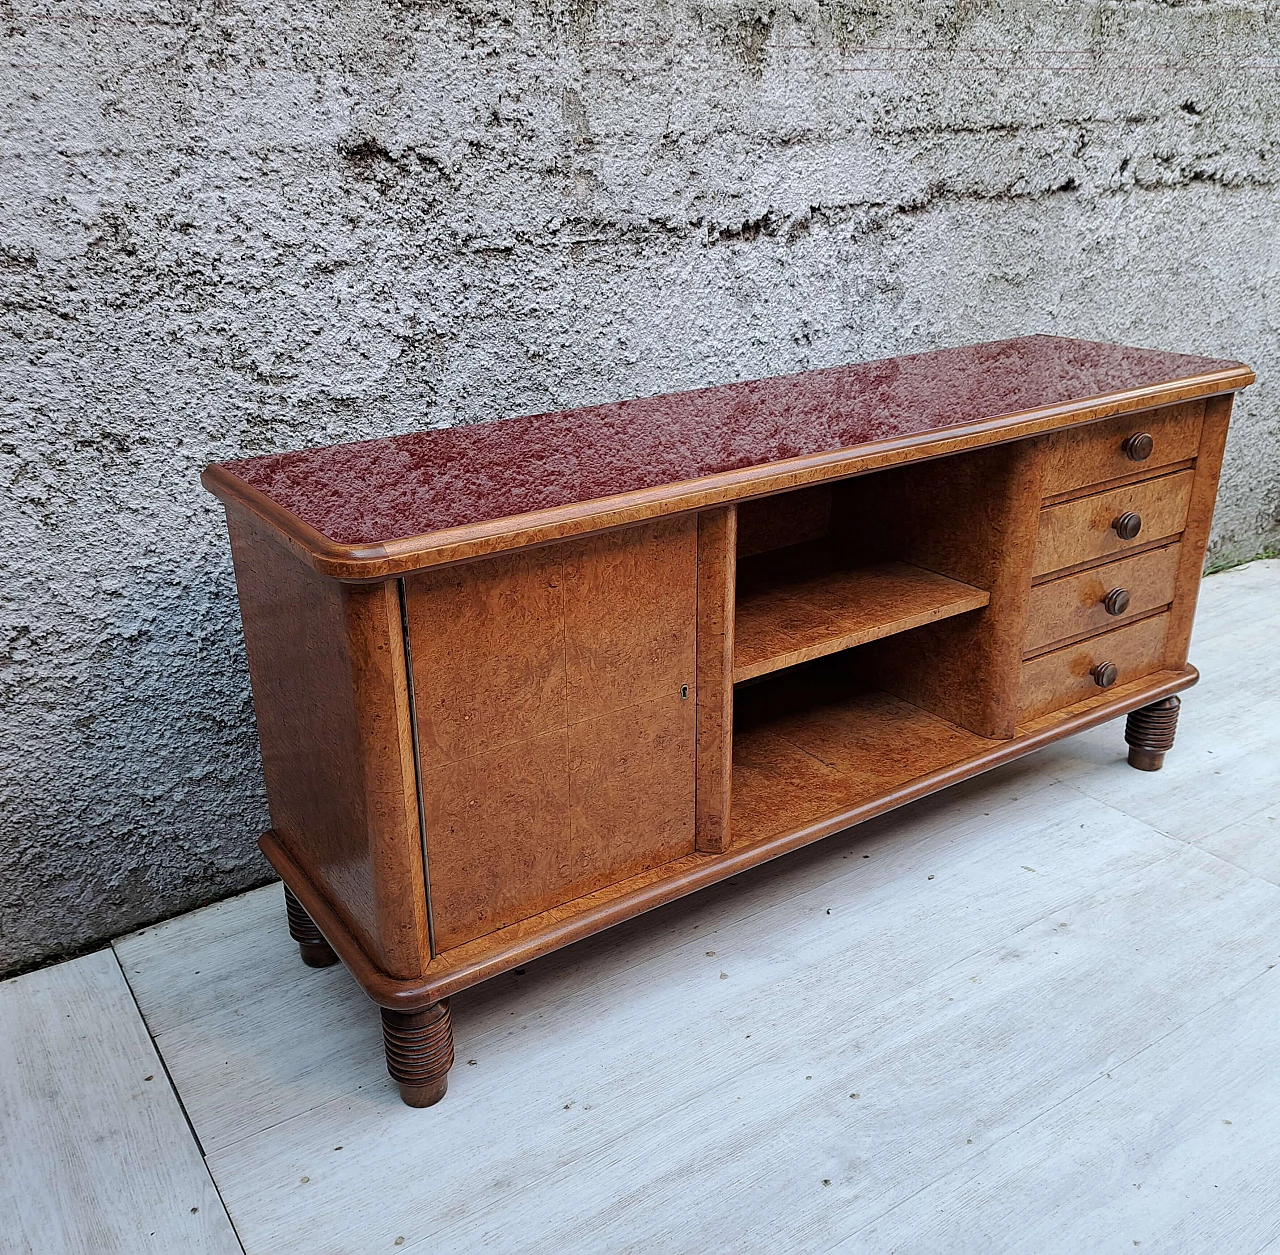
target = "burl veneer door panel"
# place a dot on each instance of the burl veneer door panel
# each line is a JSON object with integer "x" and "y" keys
{"x": 495, "y": 829}
{"x": 488, "y": 653}
{"x": 555, "y": 695}
{"x": 629, "y": 609}
{"x": 631, "y": 788}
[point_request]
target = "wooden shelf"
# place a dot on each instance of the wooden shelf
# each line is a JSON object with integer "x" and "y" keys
{"x": 785, "y": 620}
{"x": 794, "y": 768}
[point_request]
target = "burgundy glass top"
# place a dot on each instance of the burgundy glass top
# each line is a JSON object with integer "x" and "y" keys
{"x": 379, "y": 490}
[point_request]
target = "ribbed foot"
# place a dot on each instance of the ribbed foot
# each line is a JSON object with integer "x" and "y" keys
{"x": 315, "y": 950}
{"x": 1150, "y": 732}
{"x": 419, "y": 1047}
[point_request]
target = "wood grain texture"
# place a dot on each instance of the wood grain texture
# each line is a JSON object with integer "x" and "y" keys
{"x": 623, "y": 1025}
{"x": 329, "y": 688}
{"x": 489, "y": 656}
{"x": 274, "y": 1024}
{"x": 527, "y": 827}
{"x": 1188, "y": 1123}
{"x": 487, "y": 956}
{"x": 800, "y": 767}
{"x": 879, "y": 1097}
{"x": 623, "y": 1032}
{"x": 632, "y": 787}
{"x": 98, "y": 1158}
{"x": 1079, "y": 530}
{"x": 972, "y": 518}
{"x": 630, "y": 615}
{"x": 788, "y": 518}
{"x": 1094, "y": 453}
{"x": 498, "y": 838}
{"x": 556, "y": 698}
{"x": 1073, "y": 605}
{"x": 1195, "y": 536}
{"x": 783, "y": 623}
{"x": 957, "y": 970}
{"x": 717, "y": 581}
{"x": 1062, "y": 677}
{"x": 565, "y": 757}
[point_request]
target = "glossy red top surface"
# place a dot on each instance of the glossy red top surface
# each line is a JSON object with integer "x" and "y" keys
{"x": 374, "y": 491}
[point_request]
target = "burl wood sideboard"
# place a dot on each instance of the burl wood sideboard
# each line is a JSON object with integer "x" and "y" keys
{"x": 518, "y": 681}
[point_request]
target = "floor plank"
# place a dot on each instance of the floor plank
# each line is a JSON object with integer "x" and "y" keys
{"x": 1252, "y": 843}
{"x": 960, "y": 1061}
{"x": 255, "y": 1034}
{"x": 296, "y": 1038}
{"x": 1065, "y": 961}
{"x": 654, "y": 1037}
{"x": 97, "y": 1155}
{"x": 1174, "y": 1150}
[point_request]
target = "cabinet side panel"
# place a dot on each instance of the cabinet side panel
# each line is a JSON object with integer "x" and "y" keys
{"x": 375, "y": 635}
{"x": 555, "y": 693}
{"x": 717, "y": 549}
{"x": 327, "y": 667}
{"x": 1195, "y": 533}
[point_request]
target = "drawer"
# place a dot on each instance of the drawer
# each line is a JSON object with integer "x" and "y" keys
{"x": 1075, "y": 604}
{"x": 1097, "y": 452}
{"x": 1084, "y": 529}
{"x": 1066, "y": 676}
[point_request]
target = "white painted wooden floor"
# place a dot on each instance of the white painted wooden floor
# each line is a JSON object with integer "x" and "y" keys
{"x": 1037, "y": 1013}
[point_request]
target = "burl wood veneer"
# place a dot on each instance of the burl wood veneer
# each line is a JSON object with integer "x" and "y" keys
{"x": 520, "y": 681}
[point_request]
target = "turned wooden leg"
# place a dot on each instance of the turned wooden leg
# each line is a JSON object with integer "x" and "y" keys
{"x": 315, "y": 950}
{"x": 419, "y": 1048}
{"x": 1150, "y": 732}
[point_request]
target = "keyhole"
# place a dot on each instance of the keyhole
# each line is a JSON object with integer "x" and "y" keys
{"x": 684, "y": 692}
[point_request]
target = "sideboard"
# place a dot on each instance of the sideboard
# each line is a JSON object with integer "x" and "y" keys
{"x": 521, "y": 680}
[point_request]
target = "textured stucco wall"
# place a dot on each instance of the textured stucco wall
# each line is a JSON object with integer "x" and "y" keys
{"x": 233, "y": 227}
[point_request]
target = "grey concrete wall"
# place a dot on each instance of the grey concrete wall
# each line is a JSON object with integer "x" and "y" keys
{"x": 233, "y": 227}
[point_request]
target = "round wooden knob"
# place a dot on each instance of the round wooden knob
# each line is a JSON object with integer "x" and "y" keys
{"x": 1105, "y": 674}
{"x": 1137, "y": 448}
{"x": 1128, "y": 525}
{"x": 1116, "y": 601}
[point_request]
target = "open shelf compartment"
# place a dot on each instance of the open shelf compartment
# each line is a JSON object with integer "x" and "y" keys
{"x": 858, "y": 637}
{"x": 825, "y": 739}
{"x": 794, "y": 613}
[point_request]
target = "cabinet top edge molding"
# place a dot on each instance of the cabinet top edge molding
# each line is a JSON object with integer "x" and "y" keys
{"x": 378, "y": 508}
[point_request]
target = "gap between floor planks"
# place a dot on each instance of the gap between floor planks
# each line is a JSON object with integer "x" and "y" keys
{"x": 98, "y": 1156}
{"x": 956, "y": 1058}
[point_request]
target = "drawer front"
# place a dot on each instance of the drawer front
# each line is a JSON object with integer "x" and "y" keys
{"x": 1084, "y": 529}
{"x": 1066, "y": 676}
{"x": 1097, "y": 452}
{"x": 1075, "y": 604}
